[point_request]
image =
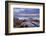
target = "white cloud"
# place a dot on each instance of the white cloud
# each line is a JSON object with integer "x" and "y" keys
{"x": 18, "y": 10}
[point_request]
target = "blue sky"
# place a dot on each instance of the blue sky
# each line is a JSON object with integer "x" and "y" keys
{"x": 26, "y": 10}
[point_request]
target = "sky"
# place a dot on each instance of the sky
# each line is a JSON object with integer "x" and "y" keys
{"x": 26, "y": 11}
